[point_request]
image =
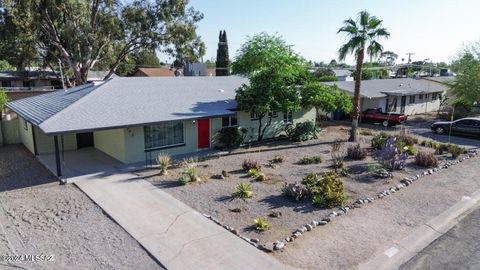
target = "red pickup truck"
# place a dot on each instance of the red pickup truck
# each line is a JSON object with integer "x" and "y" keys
{"x": 375, "y": 115}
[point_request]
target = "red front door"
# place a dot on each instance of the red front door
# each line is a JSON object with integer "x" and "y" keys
{"x": 203, "y": 133}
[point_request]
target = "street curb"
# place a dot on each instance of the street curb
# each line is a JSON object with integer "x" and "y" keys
{"x": 402, "y": 251}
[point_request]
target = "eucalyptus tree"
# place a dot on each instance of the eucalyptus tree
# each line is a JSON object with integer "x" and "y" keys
{"x": 80, "y": 33}
{"x": 362, "y": 38}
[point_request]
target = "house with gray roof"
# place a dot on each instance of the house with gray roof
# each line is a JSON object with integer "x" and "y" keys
{"x": 133, "y": 119}
{"x": 403, "y": 95}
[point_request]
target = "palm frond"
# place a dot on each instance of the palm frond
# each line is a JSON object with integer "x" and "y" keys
{"x": 374, "y": 49}
{"x": 380, "y": 32}
{"x": 350, "y": 47}
{"x": 363, "y": 18}
{"x": 351, "y": 30}
{"x": 374, "y": 22}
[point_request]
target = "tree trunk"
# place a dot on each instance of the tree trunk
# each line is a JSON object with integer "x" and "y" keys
{"x": 356, "y": 95}
{"x": 260, "y": 124}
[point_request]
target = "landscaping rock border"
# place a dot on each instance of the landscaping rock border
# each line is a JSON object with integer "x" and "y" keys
{"x": 296, "y": 234}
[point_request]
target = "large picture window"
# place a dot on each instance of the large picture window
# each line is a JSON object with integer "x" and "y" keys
{"x": 164, "y": 135}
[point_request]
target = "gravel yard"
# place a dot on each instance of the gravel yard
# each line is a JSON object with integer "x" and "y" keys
{"x": 38, "y": 216}
{"x": 214, "y": 196}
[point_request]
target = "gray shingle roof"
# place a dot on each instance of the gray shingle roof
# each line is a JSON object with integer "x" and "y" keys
{"x": 130, "y": 101}
{"x": 402, "y": 86}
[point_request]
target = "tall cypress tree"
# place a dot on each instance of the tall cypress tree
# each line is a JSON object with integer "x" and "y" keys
{"x": 222, "y": 63}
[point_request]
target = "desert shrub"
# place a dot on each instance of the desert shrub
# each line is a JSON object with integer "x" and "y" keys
{"x": 310, "y": 160}
{"x": 390, "y": 157}
{"x": 278, "y": 159}
{"x": 426, "y": 159}
{"x": 253, "y": 173}
{"x": 189, "y": 162}
{"x": 296, "y": 191}
{"x": 163, "y": 160}
{"x": 430, "y": 144}
{"x": 230, "y": 137}
{"x": 356, "y": 152}
{"x": 442, "y": 148}
{"x": 407, "y": 139}
{"x": 184, "y": 179}
{"x": 366, "y": 132}
{"x": 304, "y": 131}
{"x": 456, "y": 150}
{"x": 243, "y": 191}
{"x": 338, "y": 154}
{"x": 260, "y": 177}
{"x": 260, "y": 224}
{"x": 191, "y": 172}
{"x": 251, "y": 164}
{"x": 379, "y": 140}
{"x": 327, "y": 190}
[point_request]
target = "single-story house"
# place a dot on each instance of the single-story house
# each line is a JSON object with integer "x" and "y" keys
{"x": 403, "y": 95}
{"x": 343, "y": 75}
{"x": 132, "y": 119}
{"x": 30, "y": 80}
{"x": 154, "y": 72}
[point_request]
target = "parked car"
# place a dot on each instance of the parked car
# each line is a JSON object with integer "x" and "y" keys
{"x": 464, "y": 126}
{"x": 375, "y": 115}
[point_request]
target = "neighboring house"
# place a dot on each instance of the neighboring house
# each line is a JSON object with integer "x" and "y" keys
{"x": 154, "y": 72}
{"x": 134, "y": 119}
{"x": 29, "y": 80}
{"x": 343, "y": 75}
{"x": 195, "y": 69}
{"x": 405, "y": 95}
{"x": 98, "y": 75}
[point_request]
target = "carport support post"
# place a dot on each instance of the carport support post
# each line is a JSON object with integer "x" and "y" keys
{"x": 57, "y": 156}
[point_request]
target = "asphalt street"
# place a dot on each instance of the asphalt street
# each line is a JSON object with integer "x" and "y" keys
{"x": 458, "y": 249}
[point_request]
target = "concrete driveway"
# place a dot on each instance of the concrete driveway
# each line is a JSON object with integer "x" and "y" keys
{"x": 176, "y": 235}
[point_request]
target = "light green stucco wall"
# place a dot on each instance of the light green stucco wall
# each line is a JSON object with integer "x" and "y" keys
{"x": 111, "y": 142}
{"x": 135, "y": 143}
{"x": 9, "y": 132}
{"x": 25, "y": 132}
{"x": 46, "y": 145}
{"x": 128, "y": 144}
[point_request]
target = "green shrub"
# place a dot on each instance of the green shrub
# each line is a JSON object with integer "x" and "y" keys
{"x": 356, "y": 152}
{"x": 243, "y": 191}
{"x": 260, "y": 224}
{"x": 163, "y": 160}
{"x": 426, "y": 159}
{"x": 304, "y": 131}
{"x": 410, "y": 149}
{"x": 260, "y": 177}
{"x": 230, "y": 137}
{"x": 251, "y": 164}
{"x": 456, "y": 150}
{"x": 253, "y": 173}
{"x": 379, "y": 140}
{"x": 327, "y": 190}
{"x": 184, "y": 179}
{"x": 310, "y": 160}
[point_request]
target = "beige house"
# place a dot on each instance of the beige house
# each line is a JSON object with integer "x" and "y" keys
{"x": 133, "y": 119}
{"x": 404, "y": 95}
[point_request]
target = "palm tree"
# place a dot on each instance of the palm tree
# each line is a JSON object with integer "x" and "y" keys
{"x": 363, "y": 35}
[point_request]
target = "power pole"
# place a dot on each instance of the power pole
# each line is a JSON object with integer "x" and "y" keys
{"x": 410, "y": 57}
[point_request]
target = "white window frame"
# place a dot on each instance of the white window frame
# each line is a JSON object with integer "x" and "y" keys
{"x": 288, "y": 117}
{"x": 230, "y": 121}
{"x": 410, "y": 99}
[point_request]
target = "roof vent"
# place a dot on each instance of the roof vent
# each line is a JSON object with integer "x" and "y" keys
{"x": 401, "y": 85}
{"x": 221, "y": 90}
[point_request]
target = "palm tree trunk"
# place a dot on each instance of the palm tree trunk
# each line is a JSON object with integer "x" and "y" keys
{"x": 356, "y": 95}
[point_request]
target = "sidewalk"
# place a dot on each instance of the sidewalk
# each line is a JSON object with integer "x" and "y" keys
{"x": 176, "y": 235}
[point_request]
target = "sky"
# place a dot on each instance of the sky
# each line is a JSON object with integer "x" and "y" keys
{"x": 434, "y": 29}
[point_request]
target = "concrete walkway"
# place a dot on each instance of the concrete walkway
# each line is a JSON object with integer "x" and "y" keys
{"x": 175, "y": 234}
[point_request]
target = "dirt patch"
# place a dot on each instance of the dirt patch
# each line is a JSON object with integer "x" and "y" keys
{"x": 214, "y": 196}
{"x": 50, "y": 219}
